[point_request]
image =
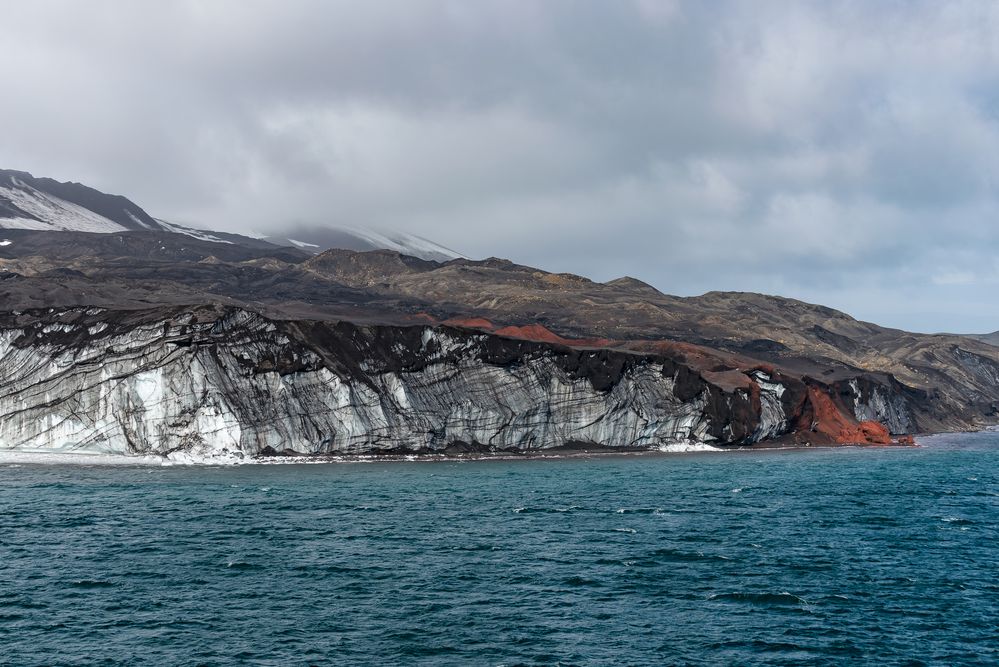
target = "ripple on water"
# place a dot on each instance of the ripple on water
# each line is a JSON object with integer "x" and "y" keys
{"x": 91, "y": 583}
{"x": 816, "y": 557}
{"x": 763, "y": 599}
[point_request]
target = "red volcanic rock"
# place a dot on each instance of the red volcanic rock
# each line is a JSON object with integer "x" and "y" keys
{"x": 470, "y": 323}
{"x": 539, "y": 333}
{"x": 532, "y": 332}
{"x": 875, "y": 433}
{"x": 840, "y": 428}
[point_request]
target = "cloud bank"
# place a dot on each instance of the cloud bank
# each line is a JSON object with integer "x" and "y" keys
{"x": 844, "y": 153}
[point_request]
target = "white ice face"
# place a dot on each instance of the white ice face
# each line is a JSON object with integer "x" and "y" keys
{"x": 228, "y": 388}
{"x": 136, "y": 392}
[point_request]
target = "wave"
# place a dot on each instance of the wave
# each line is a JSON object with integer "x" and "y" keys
{"x": 91, "y": 583}
{"x": 639, "y": 510}
{"x": 546, "y": 510}
{"x": 765, "y": 599}
{"x": 957, "y": 521}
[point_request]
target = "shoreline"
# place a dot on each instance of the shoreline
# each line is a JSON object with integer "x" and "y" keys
{"x": 15, "y": 458}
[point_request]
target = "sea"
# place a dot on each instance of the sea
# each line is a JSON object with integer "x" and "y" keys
{"x": 846, "y": 556}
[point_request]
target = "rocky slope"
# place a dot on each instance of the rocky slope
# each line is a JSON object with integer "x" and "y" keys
{"x": 991, "y": 339}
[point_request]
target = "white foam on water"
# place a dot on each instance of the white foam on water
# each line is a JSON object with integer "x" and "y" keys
{"x": 680, "y": 447}
{"x": 227, "y": 457}
{"x": 15, "y": 459}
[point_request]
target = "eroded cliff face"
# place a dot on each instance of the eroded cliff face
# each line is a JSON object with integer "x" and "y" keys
{"x": 210, "y": 381}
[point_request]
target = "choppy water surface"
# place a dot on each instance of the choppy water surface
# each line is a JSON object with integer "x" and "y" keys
{"x": 850, "y": 556}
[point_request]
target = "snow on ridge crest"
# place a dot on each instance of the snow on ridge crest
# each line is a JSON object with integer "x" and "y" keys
{"x": 52, "y": 213}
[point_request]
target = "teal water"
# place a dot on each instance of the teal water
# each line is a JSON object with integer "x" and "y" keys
{"x": 825, "y": 557}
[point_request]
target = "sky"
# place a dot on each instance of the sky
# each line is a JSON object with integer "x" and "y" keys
{"x": 844, "y": 153}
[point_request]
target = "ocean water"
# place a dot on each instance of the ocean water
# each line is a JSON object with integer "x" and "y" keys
{"x": 824, "y": 557}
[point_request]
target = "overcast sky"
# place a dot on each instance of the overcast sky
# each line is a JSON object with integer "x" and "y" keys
{"x": 843, "y": 153}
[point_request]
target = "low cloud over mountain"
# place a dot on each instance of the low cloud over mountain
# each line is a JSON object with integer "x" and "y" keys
{"x": 845, "y": 155}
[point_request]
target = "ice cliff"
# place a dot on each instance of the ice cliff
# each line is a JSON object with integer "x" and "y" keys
{"x": 211, "y": 381}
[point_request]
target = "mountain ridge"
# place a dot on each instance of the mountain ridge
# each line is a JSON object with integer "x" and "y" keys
{"x": 41, "y": 203}
{"x": 25, "y": 199}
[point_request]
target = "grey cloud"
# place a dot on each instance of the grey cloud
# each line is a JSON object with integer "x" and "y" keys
{"x": 837, "y": 152}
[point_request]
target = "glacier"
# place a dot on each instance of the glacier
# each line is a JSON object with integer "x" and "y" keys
{"x": 213, "y": 382}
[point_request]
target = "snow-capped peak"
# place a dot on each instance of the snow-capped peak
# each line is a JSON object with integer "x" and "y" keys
{"x": 43, "y": 204}
{"x": 27, "y": 202}
{"x": 40, "y": 210}
{"x": 408, "y": 244}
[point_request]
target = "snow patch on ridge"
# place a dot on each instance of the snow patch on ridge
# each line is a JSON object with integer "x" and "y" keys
{"x": 134, "y": 218}
{"x": 199, "y": 234}
{"x": 407, "y": 244}
{"x": 302, "y": 244}
{"x": 52, "y": 213}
